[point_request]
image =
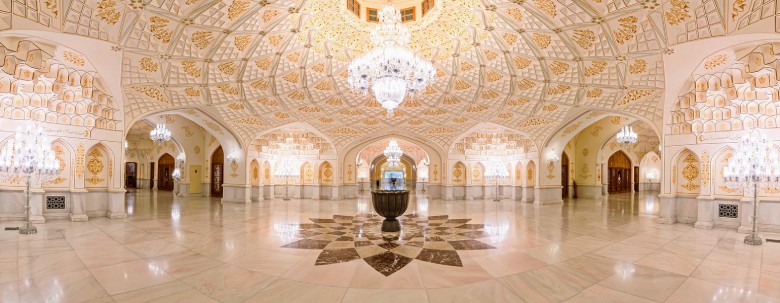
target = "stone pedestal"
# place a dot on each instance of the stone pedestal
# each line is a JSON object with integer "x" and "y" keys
{"x": 667, "y": 212}
{"x": 77, "y": 202}
{"x": 116, "y": 204}
{"x": 36, "y": 206}
{"x": 236, "y": 193}
{"x": 548, "y": 195}
{"x": 706, "y": 213}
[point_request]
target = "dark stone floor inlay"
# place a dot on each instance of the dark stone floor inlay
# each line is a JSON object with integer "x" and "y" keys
{"x": 348, "y": 238}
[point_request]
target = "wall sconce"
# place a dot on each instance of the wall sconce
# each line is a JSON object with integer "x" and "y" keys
{"x": 176, "y": 174}
{"x": 553, "y": 157}
{"x": 650, "y": 176}
{"x": 232, "y": 157}
{"x": 180, "y": 159}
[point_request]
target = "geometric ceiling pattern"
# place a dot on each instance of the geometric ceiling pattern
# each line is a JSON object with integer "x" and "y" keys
{"x": 526, "y": 65}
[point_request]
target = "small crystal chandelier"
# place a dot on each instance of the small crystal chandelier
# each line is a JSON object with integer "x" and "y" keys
{"x": 160, "y": 134}
{"x": 393, "y": 153}
{"x": 755, "y": 163}
{"x": 626, "y": 136}
{"x": 390, "y": 70}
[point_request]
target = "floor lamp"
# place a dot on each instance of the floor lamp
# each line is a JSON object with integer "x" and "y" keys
{"x": 29, "y": 156}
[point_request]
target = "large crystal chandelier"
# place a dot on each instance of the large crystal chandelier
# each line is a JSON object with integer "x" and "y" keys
{"x": 393, "y": 153}
{"x": 160, "y": 134}
{"x": 626, "y": 136}
{"x": 754, "y": 163}
{"x": 29, "y": 156}
{"x": 390, "y": 69}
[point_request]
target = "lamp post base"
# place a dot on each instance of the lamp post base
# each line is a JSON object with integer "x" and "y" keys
{"x": 753, "y": 239}
{"x": 28, "y": 229}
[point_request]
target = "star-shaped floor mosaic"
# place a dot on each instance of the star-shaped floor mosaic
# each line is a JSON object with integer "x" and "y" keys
{"x": 434, "y": 239}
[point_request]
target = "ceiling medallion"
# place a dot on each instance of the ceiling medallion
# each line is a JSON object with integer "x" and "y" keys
{"x": 390, "y": 70}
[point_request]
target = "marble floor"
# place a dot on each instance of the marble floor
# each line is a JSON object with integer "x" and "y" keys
{"x": 198, "y": 250}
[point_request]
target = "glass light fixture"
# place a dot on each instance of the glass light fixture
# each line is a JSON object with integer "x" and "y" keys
{"x": 176, "y": 174}
{"x": 393, "y": 153}
{"x": 754, "y": 163}
{"x": 496, "y": 169}
{"x": 232, "y": 156}
{"x": 288, "y": 168}
{"x": 160, "y": 133}
{"x": 29, "y": 156}
{"x": 390, "y": 70}
{"x": 626, "y": 136}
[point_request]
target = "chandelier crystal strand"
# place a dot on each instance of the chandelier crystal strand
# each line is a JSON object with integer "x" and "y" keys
{"x": 393, "y": 153}
{"x": 626, "y": 136}
{"x": 390, "y": 70}
{"x": 160, "y": 134}
{"x": 755, "y": 163}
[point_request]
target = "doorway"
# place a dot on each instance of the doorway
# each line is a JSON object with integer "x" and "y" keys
{"x": 217, "y": 172}
{"x": 636, "y": 178}
{"x": 619, "y": 170}
{"x": 131, "y": 174}
{"x": 151, "y": 175}
{"x": 565, "y": 175}
{"x": 382, "y": 175}
{"x": 165, "y": 166}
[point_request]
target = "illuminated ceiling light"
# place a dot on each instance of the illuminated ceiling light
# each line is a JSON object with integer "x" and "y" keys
{"x": 160, "y": 134}
{"x": 393, "y": 153}
{"x": 626, "y": 136}
{"x": 390, "y": 70}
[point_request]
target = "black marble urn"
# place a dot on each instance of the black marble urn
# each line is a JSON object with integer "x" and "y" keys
{"x": 390, "y": 204}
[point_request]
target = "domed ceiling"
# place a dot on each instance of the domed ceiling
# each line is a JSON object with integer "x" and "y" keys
{"x": 527, "y": 65}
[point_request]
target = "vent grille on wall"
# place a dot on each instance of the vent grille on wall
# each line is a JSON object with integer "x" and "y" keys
{"x": 728, "y": 211}
{"x": 55, "y": 202}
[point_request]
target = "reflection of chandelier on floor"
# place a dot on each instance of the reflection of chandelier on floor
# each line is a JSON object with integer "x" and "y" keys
{"x": 626, "y": 136}
{"x": 390, "y": 69}
{"x": 160, "y": 134}
{"x": 393, "y": 153}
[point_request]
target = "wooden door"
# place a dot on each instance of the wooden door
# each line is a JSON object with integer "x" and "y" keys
{"x": 619, "y": 170}
{"x": 131, "y": 174}
{"x": 217, "y": 172}
{"x": 636, "y": 178}
{"x": 151, "y": 175}
{"x": 565, "y": 175}
{"x": 165, "y": 166}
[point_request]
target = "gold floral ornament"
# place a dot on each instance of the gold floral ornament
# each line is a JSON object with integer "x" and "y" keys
{"x": 690, "y": 172}
{"x": 106, "y": 11}
{"x": 95, "y": 166}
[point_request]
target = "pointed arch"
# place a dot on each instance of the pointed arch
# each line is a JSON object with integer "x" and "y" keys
{"x": 478, "y": 174}
{"x": 98, "y": 166}
{"x": 254, "y": 172}
{"x": 326, "y": 173}
{"x": 459, "y": 173}
{"x": 307, "y": 173}
{"x": 530, "y": 176}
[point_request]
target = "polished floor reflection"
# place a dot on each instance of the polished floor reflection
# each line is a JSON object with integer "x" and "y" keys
{"x": 198, "y": 250}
